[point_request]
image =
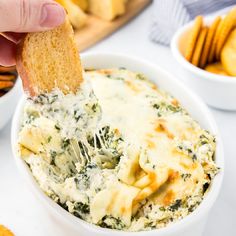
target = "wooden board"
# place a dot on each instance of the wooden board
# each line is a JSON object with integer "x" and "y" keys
{"x": 97, "y": 29}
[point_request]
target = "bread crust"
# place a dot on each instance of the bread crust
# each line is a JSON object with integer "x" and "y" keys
{"x": 28, "y": 88}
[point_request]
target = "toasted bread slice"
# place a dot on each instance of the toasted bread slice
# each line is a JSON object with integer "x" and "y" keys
{"x": 48, "y": 60}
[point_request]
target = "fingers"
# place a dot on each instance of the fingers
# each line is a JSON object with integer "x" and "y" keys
{"x": 30, "y": 15}
{"x": 8, "y": 52}
{"x": 13, "y": 37}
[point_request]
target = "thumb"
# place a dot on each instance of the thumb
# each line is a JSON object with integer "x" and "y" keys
{"x": 30, "y": 15}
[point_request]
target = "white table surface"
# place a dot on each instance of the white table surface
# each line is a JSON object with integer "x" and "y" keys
{"x": 20, "y": 211}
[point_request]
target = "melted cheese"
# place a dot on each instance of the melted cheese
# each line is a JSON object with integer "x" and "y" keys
{"x": 129, "y": 166}
{"x": 116, "y": 201}
{"x": 36, "y": 138}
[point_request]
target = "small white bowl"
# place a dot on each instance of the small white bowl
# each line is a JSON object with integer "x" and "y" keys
{"x": 194, "y": 223}
{"x": 218, "y": 91}
{"x": 8, "y": 103}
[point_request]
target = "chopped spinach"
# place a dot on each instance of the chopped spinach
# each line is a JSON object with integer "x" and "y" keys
{"x": 156, "y": 106}
{"x": 186, "y": 176}
{"x": 174, "y": 108}
{"x": 111, "y": 222}
{"x": 30, "y": 119}
{"x": 205, "y": 187}
{"x": 176, "y": 205}
{"x": 49, "y": 139}
{"x": 65, "y": 143}
{"x": 63, "y": 205}
{"x": 114, "y": 77}
{"x": 95, "y": 107}
{"x": 53, "y": 155}
{"x": 82, "y": 179}
{"x": 187, "y": 150}
{"x": 140, "y": 76}
{"x": 194, "y": 157}
{"x": 191, "y": 208}
{"x": 162, "y": 208}
{"x": 77, "y": 115}
{"x": 53, "y": 99}
{"x": 45, "y": 99}
{"x": 164, "y": 108}
{"x": 57, "y": 127}
{"x": 82, "y": 207}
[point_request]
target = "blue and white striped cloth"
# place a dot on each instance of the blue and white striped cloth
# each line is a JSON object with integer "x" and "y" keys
{"x": 169, "y": 15}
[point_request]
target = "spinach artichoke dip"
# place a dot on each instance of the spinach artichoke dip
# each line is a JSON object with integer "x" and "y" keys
{"x": 121, "y": 153}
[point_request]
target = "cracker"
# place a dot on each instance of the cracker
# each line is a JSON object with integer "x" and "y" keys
{"x": 7, "y": 77}
{"x": 226, "y": 27}
{"x": 228, "y": 54}
{"x": 5, "y": 232}
{"x": 6, "y": 84}
{"x": 193, "y": 35}
{"x": 199, "y": 46}
{"x": 208, "y": 42}
{"x": 211, "y": 56}
{"x": 216, "y": 68}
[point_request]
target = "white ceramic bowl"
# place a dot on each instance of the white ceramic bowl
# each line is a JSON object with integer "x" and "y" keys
{"x": 216, "y": 90}
{"x": 8, "y": 103}
{"x": 191, "y": 225}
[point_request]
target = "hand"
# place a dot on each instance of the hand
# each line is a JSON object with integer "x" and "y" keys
{"x": 20, "y": 16}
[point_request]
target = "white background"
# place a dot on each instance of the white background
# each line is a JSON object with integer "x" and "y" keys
{"x": 21, "y": 212}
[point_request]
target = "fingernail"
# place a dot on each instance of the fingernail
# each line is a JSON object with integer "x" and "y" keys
{"x": 52, "y": 15}
{"x": 13, "y": 37}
